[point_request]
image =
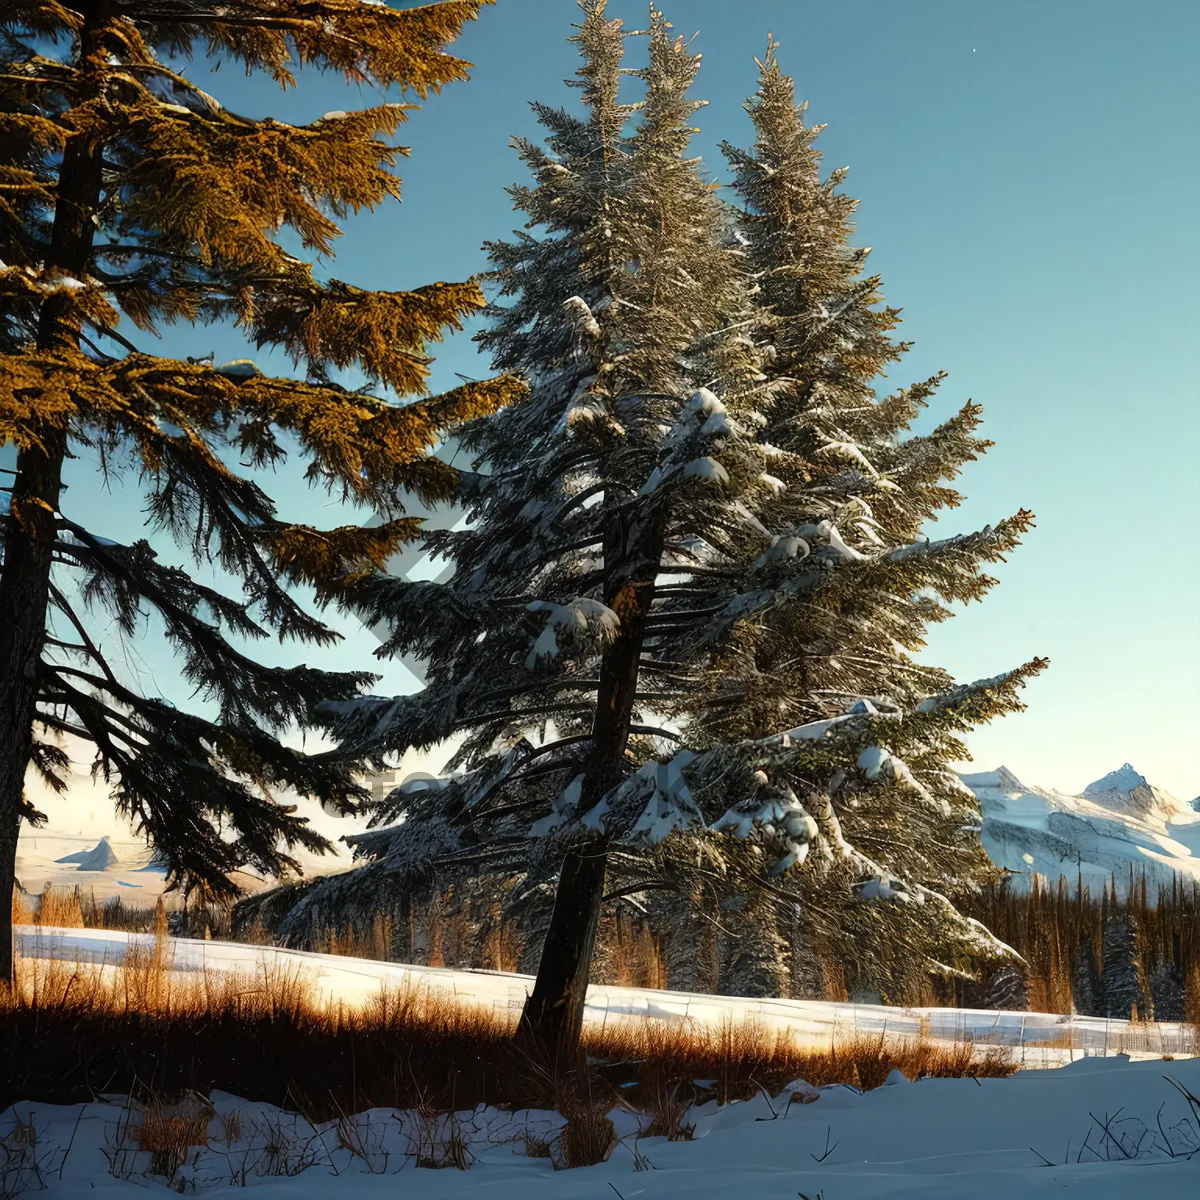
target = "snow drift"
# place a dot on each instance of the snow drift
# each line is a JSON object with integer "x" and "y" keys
{"x": 1104, "y": 1128}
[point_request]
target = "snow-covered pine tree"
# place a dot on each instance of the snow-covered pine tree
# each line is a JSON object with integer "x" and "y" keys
{"x": 129, "y": 192}
{"x": 1007, "y": 989}
{"x": 620, "y": 313}
{"x": 1167, "y": 992}
{"x": 630, "y": 524}
{"x": 856, "y": 484}
{"x": 1085, "y": 978}
{"x": 1123, "y": 986}
{"x": 756, "y": 958}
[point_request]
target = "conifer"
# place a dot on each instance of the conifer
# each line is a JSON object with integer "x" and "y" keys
{"x": 629, "y": 532}
{"x": 1006, "y": 989}
{"x": 1123, "y": 985}
{"x": 1085, "y": 978}
{"x": 130, "y": 199}
{"x": 842, "y": 633}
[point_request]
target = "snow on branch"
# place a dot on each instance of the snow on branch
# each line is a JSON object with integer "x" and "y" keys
{"x": 775, "y": 816}
{"x": 877, "y": 761}
{"x": 650, "y": 805}
{"x": 580, "y": 622}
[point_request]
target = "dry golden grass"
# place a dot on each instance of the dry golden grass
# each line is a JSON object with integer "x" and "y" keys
{"x": 22, "y": 908}
{"x": 735, "y": 1055}
{"x": 60, "y": 907}
{"x": 74, "y": 908}
{"x": 75, "y": 1030}
{"x": 77, "y": 908}
{"x": 170, "y": 1131}
{"x": 374, "y": 943}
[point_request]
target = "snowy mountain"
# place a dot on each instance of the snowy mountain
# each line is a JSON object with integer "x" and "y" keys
{"x": 1117, "y": 822}
{"x": 1125, "y": 791}
{"x": 99, "y": 858}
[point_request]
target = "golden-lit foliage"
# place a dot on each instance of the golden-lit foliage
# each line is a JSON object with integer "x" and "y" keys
{"x": 217, "y": 185}
{"x": 356, "y": 442}
{"x": 384, "y": 332}
{"x": 130, "y": 198}
{"x": 365, "y": 42}
{"x": 329, "y": 557}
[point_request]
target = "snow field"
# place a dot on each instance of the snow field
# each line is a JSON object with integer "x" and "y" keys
{"x": 1107, "y": 1127}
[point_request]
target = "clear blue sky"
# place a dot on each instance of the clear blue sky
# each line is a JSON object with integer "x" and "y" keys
{"x": 1030, "y": 182}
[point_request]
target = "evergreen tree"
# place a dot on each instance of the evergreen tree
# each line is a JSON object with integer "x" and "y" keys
{"x": 841, "y": 632}
{"x": 1006, "y": 989}
{"x": 755, "y": 958}
{"x": 688, "y": 925}
{"x": 629, "y": 531}
{"x": 1167, "y": 992}
{"x": 1122, "y": 978}
{"x": 1085, "y": 979}
{"x": 129, "y": 192}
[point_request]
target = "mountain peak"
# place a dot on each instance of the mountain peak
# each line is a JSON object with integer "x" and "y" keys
{"x": 99, "y": 858}
{"x": 1001, "y": 778}
{"x": 1122, "y": 780}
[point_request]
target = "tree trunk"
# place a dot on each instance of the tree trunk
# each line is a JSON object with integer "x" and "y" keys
{"x": 29, "y": 539}
{"x": 553, "y": 1016}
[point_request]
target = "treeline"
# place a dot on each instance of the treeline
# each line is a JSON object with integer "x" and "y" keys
{"x": 1129, "y": 952}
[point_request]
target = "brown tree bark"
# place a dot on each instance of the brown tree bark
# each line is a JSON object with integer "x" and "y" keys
{"x": 29, "y": 541}
{"x": 552, "y": 1020}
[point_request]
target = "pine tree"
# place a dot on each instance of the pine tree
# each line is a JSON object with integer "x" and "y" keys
{"x": 628, "y": 531}
{"x": 841, "y": 634}
{"x": 1167, "y": 992}
{"x": 1122, "y": 979}
{"x": 128, "y": 192}
{"x": 688, "y": 926}
{"x": 755, "y": 957}
{"x": 1006, "y": 989}
{"x": 1085, "y": 978}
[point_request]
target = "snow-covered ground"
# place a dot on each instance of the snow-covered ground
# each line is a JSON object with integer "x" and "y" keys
{"x": 1101, "y": 1128}
{"x": 1117, "y": 822}
{"x": 1102, "y": 1124}
{"x": 1037, "y": 1039}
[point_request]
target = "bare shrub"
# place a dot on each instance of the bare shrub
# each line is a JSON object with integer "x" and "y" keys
{"x": 284, "y": 1151}
{"x": 120, "y": 1148}
{"x": 22, "y": 1166}
{"x": 586, "y": 1139}
{"x": 438, "y": 1140}
{"x": 365, "y": 1142}
{"x": 667, "y": 1099}
{"x": 537, "y": 1144}
{"x": 231, "y": 1127}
